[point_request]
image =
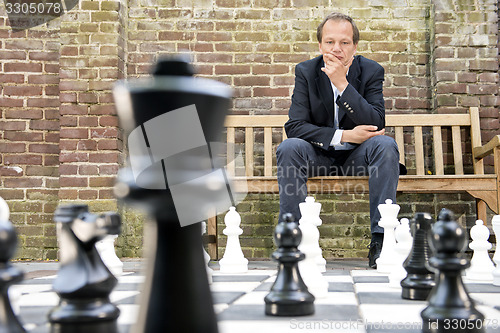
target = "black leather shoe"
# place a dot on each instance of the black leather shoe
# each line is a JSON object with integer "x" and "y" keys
{"x": 374, "y": 254}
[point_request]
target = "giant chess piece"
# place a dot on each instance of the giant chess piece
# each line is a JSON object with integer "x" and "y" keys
{"x": 83, "y": 282}
{"x": 8, "y": 273}
{"x": 495, "y": 222}
{"x": 289, "y": 295}
{"x": 481, "y": 267}
{"x": 449, "y": 301}
{"x": 403, "y": 247}
{"x": 206, "y": 256}
{"x": 387, "y": 261}
{"x": 419, "y": 280}
{"x": 106, "y": 249}
{"x": 310, "y": 211}
{"x": 309, "y": 270}
{"x": 233, "y": 260}
{"x": 169, "y": 119}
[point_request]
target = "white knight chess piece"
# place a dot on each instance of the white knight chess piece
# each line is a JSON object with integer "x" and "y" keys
{"x": 233, "y": 260}
{"x": 388, "y": 220}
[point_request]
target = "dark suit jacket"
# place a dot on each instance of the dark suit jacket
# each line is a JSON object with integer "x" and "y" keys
{"x": 311, "y": 113}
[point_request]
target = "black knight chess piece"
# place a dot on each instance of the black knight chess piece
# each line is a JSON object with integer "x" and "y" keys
{"x": 450, "y": 308}
{"x": 83, "y": 282}
{"x": 171, "y": 154}
{"x": 419, "y": 280}
{"x": 8, "y": 276}
{"x": 289, "y": 295}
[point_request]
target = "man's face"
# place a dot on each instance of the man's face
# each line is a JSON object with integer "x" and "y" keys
{"x": 337, "y": 40}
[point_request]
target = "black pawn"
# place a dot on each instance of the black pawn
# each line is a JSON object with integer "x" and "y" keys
{"x": 450, "y": 308}
{"x": 289, "y": 295}
{"x": 420, "y": 280}
{"x": 8, "y": 276}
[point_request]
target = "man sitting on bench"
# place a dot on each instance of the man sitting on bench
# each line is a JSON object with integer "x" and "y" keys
{"x": 336, "y": 125}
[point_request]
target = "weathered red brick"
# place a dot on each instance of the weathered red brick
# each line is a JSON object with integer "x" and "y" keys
{"x": 74, "y": 133}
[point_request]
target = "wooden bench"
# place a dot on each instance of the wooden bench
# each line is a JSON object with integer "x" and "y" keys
{"x": 416, "y": 135}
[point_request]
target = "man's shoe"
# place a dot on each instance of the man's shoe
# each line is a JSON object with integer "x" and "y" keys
{"x": 374, "y": 254}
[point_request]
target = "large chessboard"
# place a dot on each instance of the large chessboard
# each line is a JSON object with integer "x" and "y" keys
{"x": 359, "y": 300}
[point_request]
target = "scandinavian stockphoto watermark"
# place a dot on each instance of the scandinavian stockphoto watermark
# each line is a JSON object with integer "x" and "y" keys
{"x": 170, "y": 152}
{"x": 365, "y": 325}
{"x": 352, "y": 325}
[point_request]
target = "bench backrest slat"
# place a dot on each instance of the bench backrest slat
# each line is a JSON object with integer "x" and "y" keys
{"x": 400, "y": 140}
{"x": 476, "y": 139}
{"x": 457, "y": 150}
{"x": 273, "y": 124}
{"x": 438, "y": 149}
{"x": 419, "y": 150}
{"x": 249, "y": 151}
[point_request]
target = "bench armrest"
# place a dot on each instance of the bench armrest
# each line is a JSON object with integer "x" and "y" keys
{"x": 487, "y": 149}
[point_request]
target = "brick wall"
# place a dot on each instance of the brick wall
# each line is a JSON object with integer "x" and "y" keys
{"x": 60, "y": 139}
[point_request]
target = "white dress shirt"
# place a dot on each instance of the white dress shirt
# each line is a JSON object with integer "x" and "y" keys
{"x": 337, "y": 136}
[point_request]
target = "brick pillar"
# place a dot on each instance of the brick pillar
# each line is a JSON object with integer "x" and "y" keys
{"x": 465, "y": 59}
{"x": 29, "y": 136}
{"x": 91, "y": 60}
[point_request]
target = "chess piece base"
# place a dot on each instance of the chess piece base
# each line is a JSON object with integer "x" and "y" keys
{"x": 295, "y": 309}
{"x": 75, "y": 316}
{"x": 417, "y": 290}
{"x": 85, "y": 328}
{"x": 496, "y": 278}
{"x": 233, "y": 268}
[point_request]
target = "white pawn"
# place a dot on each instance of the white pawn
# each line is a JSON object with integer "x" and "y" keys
{"x": 481, "y": 267}
{"x": 309, "y": 270}
{"x": 403, "y": 248}
{"x": 106, "y": 249}
{"x": 233, "y": 260}
{"x": 309, "y": 211}
{"x": 206, "y": 256}
{"x": 388, "y": 220}
{"x": 495, "y": 222}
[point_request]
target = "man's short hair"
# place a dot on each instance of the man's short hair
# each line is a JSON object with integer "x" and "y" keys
{"x": 338, "y": 17}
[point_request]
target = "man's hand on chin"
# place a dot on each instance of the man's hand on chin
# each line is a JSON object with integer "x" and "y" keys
{"x": 336, "y": 70}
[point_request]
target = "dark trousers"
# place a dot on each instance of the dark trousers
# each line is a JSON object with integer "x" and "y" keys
{"x": 377, "y": 157}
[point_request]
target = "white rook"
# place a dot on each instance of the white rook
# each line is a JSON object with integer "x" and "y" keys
{"x": 233, "y": 260}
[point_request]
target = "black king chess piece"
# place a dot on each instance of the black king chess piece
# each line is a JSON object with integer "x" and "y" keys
{"x": 8, "y": 276}
{"x": 83, "y": 282}
{"x": 289, "y": 295}
{"x": 450, "y": 308}
{"x": 419, "y": 281}
{"x": 176, "y": 295}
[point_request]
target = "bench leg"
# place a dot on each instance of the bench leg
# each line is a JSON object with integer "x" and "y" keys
{"x": 481, "y": 210}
